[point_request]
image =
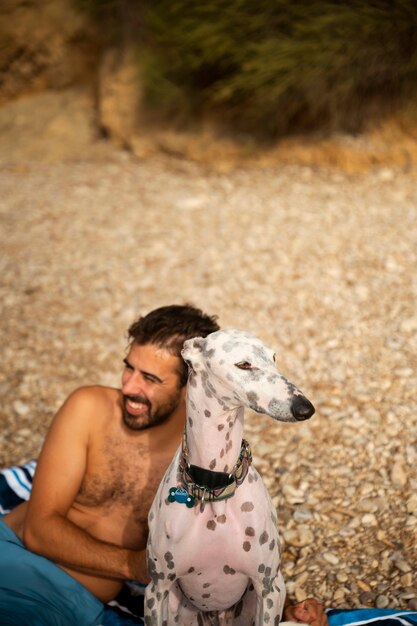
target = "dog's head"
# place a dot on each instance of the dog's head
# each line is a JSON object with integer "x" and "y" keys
{"x": 239, "y": 370}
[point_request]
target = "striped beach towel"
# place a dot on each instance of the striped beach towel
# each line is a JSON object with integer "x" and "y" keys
{"x": 127, "y": 608}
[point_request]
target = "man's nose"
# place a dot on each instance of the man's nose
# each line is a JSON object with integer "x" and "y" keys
{"x": 133, "y": 385}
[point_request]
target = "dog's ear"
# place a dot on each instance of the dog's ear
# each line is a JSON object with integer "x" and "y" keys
{"x": 192, "y": 349}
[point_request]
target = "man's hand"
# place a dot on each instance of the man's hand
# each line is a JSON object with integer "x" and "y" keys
{"x": 310, "y": 611}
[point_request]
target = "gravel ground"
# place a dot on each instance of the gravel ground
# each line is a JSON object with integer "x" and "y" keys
{"x": 320, "y": 265}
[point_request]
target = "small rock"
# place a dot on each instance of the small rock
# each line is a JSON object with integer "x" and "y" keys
{"x": 300, "y": 580}
{"x": 339, "y": 594}
{"x": 382, "y": 602}
{"x": 407, "y": 579}
{"x": 408, "y": 595}
{"x": 302, "y": 515}
{"x": 21, "y": 408}
{"x": 330, "y": 558}
{"x": 412, "y": 505}
{"x": 398, "y": 475}
{"x": 409, "y": 325}
{"x": 369, "y": 519}
{"x": 299, "y": 537}
{"x": 341, "y": 577}
{"x": 368, "y": 506}
{"x": 367, "y": 597}
{"x": 402, "y": 565}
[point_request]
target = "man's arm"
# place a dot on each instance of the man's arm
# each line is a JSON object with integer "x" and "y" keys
{"x": 60, "y": 471}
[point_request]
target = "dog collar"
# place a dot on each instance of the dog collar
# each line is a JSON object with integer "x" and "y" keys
{"x": 209, "y": 486}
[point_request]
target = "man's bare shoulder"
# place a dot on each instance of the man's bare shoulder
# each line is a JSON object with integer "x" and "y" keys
{"x": 95, "y": 393}
{"x": 93, "y": 399}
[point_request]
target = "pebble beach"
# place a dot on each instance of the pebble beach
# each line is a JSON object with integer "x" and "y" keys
{"x": 319, "y": 264}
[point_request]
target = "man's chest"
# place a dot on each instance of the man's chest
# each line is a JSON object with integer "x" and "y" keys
{"x": 122, "y": 476}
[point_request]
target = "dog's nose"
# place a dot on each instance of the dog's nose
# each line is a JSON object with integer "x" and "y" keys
{"x": 302, "y": 408}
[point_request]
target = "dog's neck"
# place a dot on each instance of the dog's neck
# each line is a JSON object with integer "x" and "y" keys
{"x": 213, "y": 431}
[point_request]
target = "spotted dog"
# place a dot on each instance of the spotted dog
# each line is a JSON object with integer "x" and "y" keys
{"x": 213, "y": 548}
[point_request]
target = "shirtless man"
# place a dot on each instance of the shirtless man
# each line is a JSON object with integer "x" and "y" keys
{"x": 102, "y": 461}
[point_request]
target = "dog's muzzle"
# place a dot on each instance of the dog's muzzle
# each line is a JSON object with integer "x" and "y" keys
{"x": 302, "y": 408}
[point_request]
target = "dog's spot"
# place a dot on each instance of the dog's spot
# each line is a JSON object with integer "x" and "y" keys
{"x": 170, "y": 565}
{"x": 261, "y": 568}
{"x": 150, "y": 603}
{"x": 212, "y": 464}
{"x": 229, "y": 570}
{"x": 206, "y": 595}
{"x": 267, "y": 617}
{"x": 190, "y": 421}
{"x": 250, "y": 478}
{"x": 269, "y": 603}
{"x": 276, "y": 620}
{"x": 220, "y": 427}
{"x": 221, "y": 453}
{"x": 263, "y": 538}
{"x": 268, "y": 571}
{"x": 206, "y": 585}
{"x": 207, "y": 413}
{"x": 151, "y": 516}
{"x": 272, "y": 544}
{"x": 227, "y": 436}
{"x": 246, "y": 546}
{"x": 168, "y": 556}
{"x": 171, "y": 577}
{"x": 192, "y": 569}
{"x": 226, "y": 469}
{"x": 211, "y": 524}
{"x": 250, "y": 532}
{"x": 247, "y": 507}
{"x": 228, "y": 446}
{"x": 221, "y": 519}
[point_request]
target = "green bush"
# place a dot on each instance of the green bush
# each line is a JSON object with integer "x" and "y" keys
{"x": 275, "y": 66}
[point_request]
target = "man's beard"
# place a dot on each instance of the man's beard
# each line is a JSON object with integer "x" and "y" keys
{"x": 149, "y": 417}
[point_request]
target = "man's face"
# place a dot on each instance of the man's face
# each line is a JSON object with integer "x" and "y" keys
{"x": 150, "y": 386}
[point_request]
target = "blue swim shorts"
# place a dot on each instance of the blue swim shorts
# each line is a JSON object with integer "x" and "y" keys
{"x": 36, "y": 592}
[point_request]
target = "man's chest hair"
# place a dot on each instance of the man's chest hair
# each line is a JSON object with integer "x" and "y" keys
{"x": 121, "y": 475}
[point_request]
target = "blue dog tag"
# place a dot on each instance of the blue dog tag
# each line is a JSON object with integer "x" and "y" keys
{"x": 179, "y": 494}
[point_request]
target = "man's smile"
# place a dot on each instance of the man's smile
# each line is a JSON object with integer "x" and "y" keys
{"x": 136, "y": 405}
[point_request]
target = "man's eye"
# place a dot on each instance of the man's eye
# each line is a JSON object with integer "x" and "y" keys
{"x": 127, "y": 365}
{"x": 244, "y": 365}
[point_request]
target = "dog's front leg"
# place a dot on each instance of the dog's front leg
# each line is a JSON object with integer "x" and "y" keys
{"x": 271, "y": 600}
{"x": 155, "y": 605}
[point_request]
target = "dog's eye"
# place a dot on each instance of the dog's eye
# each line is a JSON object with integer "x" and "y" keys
{"x": 244, "y": 365}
